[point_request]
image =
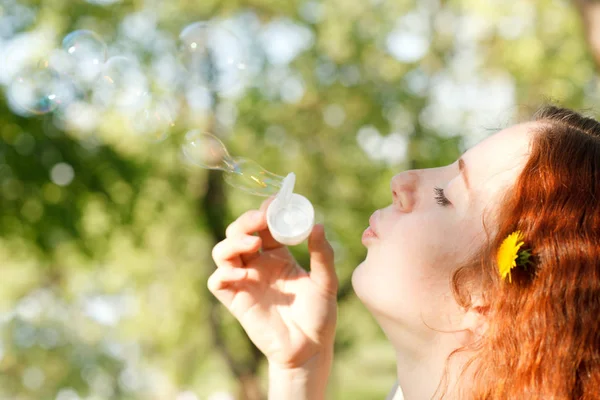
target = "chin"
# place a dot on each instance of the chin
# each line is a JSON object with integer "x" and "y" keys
{"x": 357, "y": 277}
{"x": 376, "y": 289}
{"x": 365, "y": 285}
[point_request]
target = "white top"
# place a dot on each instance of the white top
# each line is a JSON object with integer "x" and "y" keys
{"x": 395, "y": 393}
{"x": 290, "y": 216}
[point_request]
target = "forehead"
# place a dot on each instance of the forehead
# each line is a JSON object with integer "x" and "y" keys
{"x": 498, "y": 160}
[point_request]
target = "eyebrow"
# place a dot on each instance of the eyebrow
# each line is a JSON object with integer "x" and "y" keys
{"x": 463, "y": 171}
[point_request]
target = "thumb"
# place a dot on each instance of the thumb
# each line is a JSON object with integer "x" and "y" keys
{"x": 322, "y": 268}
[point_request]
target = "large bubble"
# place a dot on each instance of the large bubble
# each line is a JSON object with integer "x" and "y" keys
{"x": 207, "y": 151}
{"x": 122, "y": 85}
{"x": 213, "y": 55}
{"x": 87, "y": 52}
{"x": 39, "y": 90}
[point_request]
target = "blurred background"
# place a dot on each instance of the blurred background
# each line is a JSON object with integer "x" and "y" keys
{"x": 107, "y": 226}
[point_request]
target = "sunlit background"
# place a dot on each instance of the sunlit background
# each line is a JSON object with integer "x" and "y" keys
{"x": 108, "y": 213}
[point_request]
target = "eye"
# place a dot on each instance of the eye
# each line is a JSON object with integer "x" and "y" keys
{"x": 440, "y": 197}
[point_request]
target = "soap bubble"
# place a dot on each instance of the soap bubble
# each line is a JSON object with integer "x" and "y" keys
{"x": 85, "y": 46}
{"x": 40, "y": 90}
{"x": 249, "y": 176}
{"x": 87, "y": 51}
{"x": 122, "y": 84}
{"x": 207, "y": 151}
{"x": 214, "y": 57}
{"x": 153, "y": 123}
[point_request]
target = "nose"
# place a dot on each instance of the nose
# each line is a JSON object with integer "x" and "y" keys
{"x": 403, "y": 186}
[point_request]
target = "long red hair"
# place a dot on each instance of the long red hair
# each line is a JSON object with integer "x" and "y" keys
{"x": 543, "y": 335}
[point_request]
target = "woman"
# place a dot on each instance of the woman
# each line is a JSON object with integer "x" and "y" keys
{"x": 484, "y": 275}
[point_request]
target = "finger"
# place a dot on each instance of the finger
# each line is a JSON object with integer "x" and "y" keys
{"x": 247, "y": 223}
{"x": 268, "y": 242}
{"x": 223, "y": 277}
{"x": 264, "y": 234}
{"x": 221, "y": 281}
{"x": 322, "y": 268}
{"x": 249, "y": 256}
{"x": 265, "y": 204}
{"x": 228, "y": 252}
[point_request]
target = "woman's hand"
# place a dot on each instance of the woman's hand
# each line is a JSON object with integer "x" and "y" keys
{"x": 289, "y": 313}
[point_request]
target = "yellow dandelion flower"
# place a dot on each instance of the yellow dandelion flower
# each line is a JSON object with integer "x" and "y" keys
{"x": 508, "y": 253}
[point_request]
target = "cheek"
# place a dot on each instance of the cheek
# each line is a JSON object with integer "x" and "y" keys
{"x": 409, "y": 242}
{"x": 407, "y": 273}
{"x": 403, "y": 292}
{"x": 400, "y": 287}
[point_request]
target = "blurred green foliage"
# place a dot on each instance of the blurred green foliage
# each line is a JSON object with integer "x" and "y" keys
{"x": 104, "y": 279}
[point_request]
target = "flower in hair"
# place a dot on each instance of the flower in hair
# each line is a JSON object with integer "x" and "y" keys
{"x": 509, "y": 255}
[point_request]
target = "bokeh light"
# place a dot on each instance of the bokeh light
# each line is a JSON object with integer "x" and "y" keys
{"x": 62, "y": 174}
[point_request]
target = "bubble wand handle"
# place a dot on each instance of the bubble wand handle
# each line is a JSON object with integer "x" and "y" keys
{"x": 290, "y": 216}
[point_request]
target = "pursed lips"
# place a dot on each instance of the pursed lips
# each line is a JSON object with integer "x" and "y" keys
{"x": 373, "y": 222}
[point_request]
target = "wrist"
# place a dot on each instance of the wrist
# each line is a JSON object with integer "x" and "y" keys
{"x": 317, "y": 361}
{"x": 306, "y": 381}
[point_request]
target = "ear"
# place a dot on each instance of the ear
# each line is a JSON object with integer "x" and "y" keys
{"x": 475, "y": 318}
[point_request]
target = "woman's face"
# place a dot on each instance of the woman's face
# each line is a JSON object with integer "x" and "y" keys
{"x": 415, "y": 243}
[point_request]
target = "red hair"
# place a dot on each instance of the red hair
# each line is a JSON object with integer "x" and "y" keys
{"x": 543, "y": 335}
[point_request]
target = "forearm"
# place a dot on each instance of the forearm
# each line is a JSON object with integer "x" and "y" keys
{"x": 305, "y": 383}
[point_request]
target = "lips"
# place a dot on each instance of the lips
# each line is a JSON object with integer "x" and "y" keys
{"x": 373, "y": 222}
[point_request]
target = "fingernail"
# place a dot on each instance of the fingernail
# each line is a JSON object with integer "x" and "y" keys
{"x": 249, "y": 240}
{"x": 324, "y": 231}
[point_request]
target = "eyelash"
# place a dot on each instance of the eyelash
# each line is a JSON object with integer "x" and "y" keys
{"x": 440, "y": 197}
